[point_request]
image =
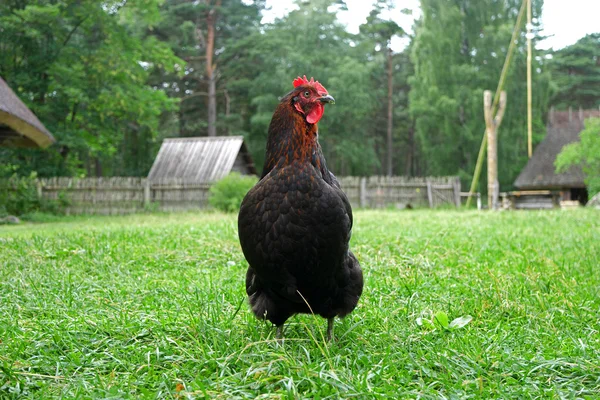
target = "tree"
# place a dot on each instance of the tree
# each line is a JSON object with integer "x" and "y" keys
{"x": 203, "y": 33}
{"x": 406, "y": 142}
{"x": 576, "y": 74}
{"x": 586, "y": 154}
{"x": 381, "y": 32}
{"x": 311, "y": 41}
{"x": 81, "y": 67}
{"x": 458, "y": 52}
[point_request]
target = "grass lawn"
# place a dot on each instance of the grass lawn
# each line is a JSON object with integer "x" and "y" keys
{"x": 153, "y": 306}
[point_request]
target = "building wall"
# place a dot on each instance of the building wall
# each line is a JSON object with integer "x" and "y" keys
{"x": 240, "y": 165}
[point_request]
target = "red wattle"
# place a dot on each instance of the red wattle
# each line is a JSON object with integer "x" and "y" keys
{"x": 315, "y": 114}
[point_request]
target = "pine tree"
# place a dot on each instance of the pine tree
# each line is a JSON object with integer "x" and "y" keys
{"x": 576, "y": 74}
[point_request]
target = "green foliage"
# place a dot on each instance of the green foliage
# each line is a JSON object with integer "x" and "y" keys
{"x": 381, "y": 30}
{"x": 83, "y": 68}
{"x": 112, "y": 79}
{"x": 227, "y": 194}
{"x": 375, "y": 40}
{"x": 43, "y": 217}
{"x": 19, "y": 196}
{"x": 576, "y": 74}
{"x": 585, "y": 154}
{"x": 311, "y": 41}
{"x": 153, "y": 306}
{"x": 458, "y": 51}
{"x": 440, "y": 320}
{"x": 184, "y": 29}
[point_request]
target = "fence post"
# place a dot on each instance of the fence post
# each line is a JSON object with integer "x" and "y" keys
{"x": 94, "y": 197}
{"x": 429, "y": 194}
{"x": 362, "y": 191}
{"x": 456, "y": 187}
{"x": 38, "y": 185}
{"x": 146, "y": 192}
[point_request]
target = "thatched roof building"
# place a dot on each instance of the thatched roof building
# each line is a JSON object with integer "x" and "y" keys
{"x": 19, "y": 127}
{"x": 201, "y": 159}
{"x": 563, "y": 128}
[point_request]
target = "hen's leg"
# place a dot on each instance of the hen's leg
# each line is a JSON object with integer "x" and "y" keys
{"x": 330, "y": 328}
{"x": 279, "y": 335}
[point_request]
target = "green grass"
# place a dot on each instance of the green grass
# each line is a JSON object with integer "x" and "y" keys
{"x": 153, "y": 306}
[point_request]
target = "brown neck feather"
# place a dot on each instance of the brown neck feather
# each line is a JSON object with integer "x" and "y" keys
{"x": 290, "y": 139}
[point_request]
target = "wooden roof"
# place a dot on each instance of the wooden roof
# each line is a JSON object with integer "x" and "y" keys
{"x": 563, "y": 128}
{"x": 199, "y": 159}
{"x": 19, "y": 127}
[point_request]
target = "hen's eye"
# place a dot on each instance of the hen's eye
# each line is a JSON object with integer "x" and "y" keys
{"x": 306, "y": 94}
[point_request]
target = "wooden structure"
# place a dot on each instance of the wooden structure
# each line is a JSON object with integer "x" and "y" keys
{"x": 185, "y": 168}
{"x": 503, "y": 74}
{"x": 492, "y": 123}
{"x": 401, "y": 191}
{"x": 201, "y": 160}
{"x": 539, "y": 174}
{"x": 531, "y": 200}
{"x": 125, "y": 195}
{"x": 529, "y": 94}
{"x": 19, "y": 127}
{"x": 594, "y": 201}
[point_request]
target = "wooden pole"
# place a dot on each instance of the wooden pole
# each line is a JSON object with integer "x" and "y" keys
{"x": 492, "y": 163}
{"x": 456, "y": 189}
{"x": 211, "y": 68}
{"x": 363, "y": 192}
{"x": 429, "y": 194}
{"x": 492, "y": 123}
{"x": 146, "y": 192}
{"x": 390, "y": 116}
{"x": 529, "y": 96}
{"x": 503, "y": 74}
{"x": 570, "y": 114}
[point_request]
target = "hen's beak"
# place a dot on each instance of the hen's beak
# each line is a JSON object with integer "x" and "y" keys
{"x": 327, "y": 99}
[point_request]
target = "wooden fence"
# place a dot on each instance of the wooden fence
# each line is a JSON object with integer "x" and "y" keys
{"x": 124, "y": 195}
{"x": 402, "y": 192}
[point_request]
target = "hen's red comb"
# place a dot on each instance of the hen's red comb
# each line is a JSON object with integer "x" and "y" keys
{"x": 303, "y": 81}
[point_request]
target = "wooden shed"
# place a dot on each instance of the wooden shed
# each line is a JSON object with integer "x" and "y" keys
{"x": 201, "y": 159}
{"x": 19, "y": 127}
{"x": 539, "y": 173}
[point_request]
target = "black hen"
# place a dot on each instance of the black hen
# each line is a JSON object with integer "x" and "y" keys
{"x": 295, "y": 224}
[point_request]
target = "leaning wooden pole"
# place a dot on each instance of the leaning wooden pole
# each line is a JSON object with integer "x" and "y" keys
{"x": 529, "y": 96}
{"x": 492, "y": 123}
{"x": 503, "y": 74}
{"x": 390, "y": 116}
{"x": 211, "y": 68}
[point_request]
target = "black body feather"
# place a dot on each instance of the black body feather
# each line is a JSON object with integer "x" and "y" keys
{"x": 294, "y": 228}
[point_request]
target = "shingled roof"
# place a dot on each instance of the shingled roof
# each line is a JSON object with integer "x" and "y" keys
{"x": 19, "y": 127}
{"x": 201, "y": 159}
{"x": 563, "y": 128}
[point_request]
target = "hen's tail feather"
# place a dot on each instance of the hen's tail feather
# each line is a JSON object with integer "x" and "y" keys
{"x": 354, "y": 287}
{"x": 263, "y": 306}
